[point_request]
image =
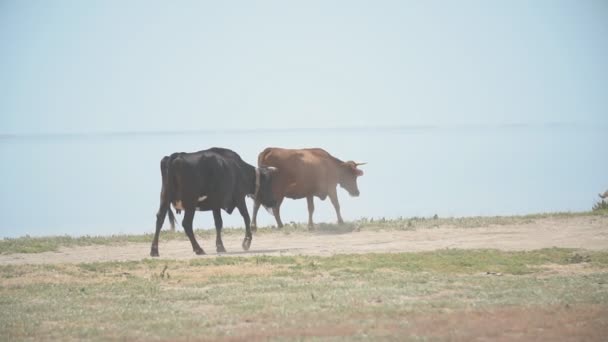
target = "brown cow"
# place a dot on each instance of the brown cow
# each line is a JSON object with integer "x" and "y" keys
{"x": 307, "y": 173}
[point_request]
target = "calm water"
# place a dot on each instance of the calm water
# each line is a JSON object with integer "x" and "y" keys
{"x": 110, "y": 184}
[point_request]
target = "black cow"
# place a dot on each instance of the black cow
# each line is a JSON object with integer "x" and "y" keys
{"x": 212, "y": 179}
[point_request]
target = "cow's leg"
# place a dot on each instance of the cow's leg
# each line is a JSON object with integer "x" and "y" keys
{"x": 276, "y": 211}
{"x": 160, "y": 219}
{"x": 243, "y": 210}
{"x": 187, "y": 224}
{"x": 333, "y": 196}
{"x": 311, "y": 209}
{"x": 217, "y": 218}
{"x": 254, "y": 220}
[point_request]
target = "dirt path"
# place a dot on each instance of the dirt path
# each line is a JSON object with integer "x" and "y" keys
{"x": 588, "y": 232}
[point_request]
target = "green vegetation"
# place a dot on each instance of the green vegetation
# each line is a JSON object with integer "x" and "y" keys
{"x": 289, "y": 297}
{"x": 29, "y": 244}
{"x": 601, "y": 206}
{"x": 414, "y": 223}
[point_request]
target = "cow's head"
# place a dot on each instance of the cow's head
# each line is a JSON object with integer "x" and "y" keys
{"x": 265, "y": 195}
{"x": 347, "y": 177}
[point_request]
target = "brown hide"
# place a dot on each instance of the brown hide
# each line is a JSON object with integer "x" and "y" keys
{"x": 305, "y": 172}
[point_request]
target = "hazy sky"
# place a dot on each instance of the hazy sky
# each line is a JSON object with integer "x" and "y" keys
{"x": 97, "y": 66}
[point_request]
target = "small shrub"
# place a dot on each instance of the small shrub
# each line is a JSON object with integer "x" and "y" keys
{"x": 601, "y": 205}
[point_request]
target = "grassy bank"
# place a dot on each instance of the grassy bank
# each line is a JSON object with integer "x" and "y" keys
{"x": 44, "y": 244}
{"x": 381, "y": 296}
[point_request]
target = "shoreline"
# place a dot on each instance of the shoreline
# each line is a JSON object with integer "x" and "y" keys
{"x": 575, "y": 231}
{"x": 362, "y": 222}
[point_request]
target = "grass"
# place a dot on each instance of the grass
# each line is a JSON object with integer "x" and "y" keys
{"x": 29, "y": 244}
{"x": 414, "y": 223}
{"x": 288, "y": 297}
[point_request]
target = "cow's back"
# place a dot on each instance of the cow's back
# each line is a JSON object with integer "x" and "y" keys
{"x": 218, "y": 173}
{"x": 230, "y": 175}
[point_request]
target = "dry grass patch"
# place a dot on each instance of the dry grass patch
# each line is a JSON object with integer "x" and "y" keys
{"x": 569, "y": 270}
{"x": 196, "y": 275}
{"x": 374, "y": 296}
{"x": 551, "y": 323}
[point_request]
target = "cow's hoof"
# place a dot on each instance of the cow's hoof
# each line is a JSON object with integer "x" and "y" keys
{"x": 199, "y": 251}
{"x": 154, "y": 252}
{"x": 220, "y": 249}
{"x": 246, "y": 244}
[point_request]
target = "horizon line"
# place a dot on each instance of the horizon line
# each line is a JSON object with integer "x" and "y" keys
{"x": 287, "y": 129}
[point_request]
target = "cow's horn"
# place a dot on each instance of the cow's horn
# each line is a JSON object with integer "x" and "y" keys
{"x": 359, "y": 164}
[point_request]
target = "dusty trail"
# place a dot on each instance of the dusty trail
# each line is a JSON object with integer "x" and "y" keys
{"x": 587, "y": 232}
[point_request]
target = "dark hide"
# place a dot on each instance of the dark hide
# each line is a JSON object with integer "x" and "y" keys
{"x": 209, "y": 180}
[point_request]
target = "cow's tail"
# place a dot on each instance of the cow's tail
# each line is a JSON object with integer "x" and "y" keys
{"x": 263, "y": 161}
{"x": 166, "y": 207}
{"x": 171, "y": 218}
{"x": 262, "y": 156}
{"x": 167, "y": 191}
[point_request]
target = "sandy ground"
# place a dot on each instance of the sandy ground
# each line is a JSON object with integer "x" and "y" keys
{"x": 587, "y": 232}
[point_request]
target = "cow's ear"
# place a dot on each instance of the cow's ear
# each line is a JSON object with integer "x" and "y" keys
{"x": 353, "y": 168}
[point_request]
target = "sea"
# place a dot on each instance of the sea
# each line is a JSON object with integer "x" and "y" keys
{"x": 109, "y": 183}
